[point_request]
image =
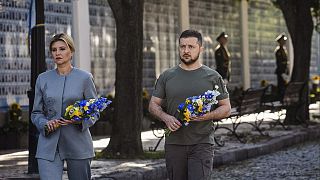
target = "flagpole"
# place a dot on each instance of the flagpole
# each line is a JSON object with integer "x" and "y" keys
{"x": 38, "y": 66}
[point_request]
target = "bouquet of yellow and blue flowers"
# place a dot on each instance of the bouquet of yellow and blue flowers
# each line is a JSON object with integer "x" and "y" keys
{"x": 196, "y": 106}
{"x": 84, "y": 110}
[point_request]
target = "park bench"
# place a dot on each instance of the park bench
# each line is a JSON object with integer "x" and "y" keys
{"x": 250, "y": 103}
{"x": 291, "y": 98}
{"x": 157, "y": 128}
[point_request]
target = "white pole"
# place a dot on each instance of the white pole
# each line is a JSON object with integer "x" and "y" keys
{"x": 81, "y": 34}
{"x": 245, "y": 45}
{"x": 184, "y": 15}
{"x": 290, "y": 55}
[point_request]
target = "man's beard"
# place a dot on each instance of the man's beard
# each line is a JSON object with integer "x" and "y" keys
{"x": 192, "y": 61}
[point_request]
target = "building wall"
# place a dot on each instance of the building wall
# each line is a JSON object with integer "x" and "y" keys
{"x": 14, "y": 47}
{"x": 161, "y": 31}
{"x": 14, "y": 55}
{"x": 58, "y": 19}
{"x": 211, "y": 18}
{"x": 103, "y": 45}
{"x": 265, "y": 24}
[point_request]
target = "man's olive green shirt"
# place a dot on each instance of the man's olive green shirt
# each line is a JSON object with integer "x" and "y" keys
{"x": 174, "y": 86}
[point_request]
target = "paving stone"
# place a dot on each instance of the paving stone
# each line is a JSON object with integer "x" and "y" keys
{"x": 299, "y": 162}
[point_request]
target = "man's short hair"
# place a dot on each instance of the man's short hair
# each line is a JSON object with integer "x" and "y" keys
{"x": 191, "y": 33}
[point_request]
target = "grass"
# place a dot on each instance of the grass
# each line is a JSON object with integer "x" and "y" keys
{"x": 153, "y": 154}
{"x": 147, "y": 155}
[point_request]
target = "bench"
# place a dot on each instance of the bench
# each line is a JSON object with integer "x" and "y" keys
{"x": 157, "y": 128}
{"x": 250, "y": 103}
{"x": 291, "y": 98}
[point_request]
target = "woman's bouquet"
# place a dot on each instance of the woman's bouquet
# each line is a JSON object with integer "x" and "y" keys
{"x": 196, "y": 106}
{"x": 84, "y": 110}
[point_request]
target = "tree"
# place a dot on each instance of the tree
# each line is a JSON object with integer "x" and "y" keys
{"x": 298, "y": 17}
{"x": 125, "y": 141}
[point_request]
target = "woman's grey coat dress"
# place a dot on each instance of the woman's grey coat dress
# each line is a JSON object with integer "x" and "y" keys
{"x": 53, "y": 93}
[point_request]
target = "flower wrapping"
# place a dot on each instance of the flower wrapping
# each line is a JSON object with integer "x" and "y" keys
{"x": 196, "y": 106}
{"x": 84, "y": 110}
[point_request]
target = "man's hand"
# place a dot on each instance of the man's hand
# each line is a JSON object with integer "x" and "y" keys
{"x": 172, "y": 123}
{"x": 222, "y": 111}
{"x": 155, "y": 109}
{"x": 204, "y": 117}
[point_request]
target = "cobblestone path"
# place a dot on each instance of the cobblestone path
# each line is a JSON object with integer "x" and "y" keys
{"x": 300, "y": 162}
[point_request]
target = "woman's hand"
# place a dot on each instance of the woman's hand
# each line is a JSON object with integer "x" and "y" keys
{"x": 66, "y": 121}
{"x": 53, "y": 124}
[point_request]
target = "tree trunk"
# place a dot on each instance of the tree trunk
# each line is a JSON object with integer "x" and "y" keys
{"x": 299, "y": 22}
{"x": 125, "y": 141}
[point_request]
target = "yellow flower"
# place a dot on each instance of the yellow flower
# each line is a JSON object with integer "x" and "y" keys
{"x": 145, "y": 94}
{"x": 316, "y": 78}
{"x": 76, "y": 112}
{"x": 69, "y": 111}
{"x": 264, "y": 83}
{"x": 187, "y": 115}
{"x": 69, "y": 108}
{"x": 200, "y": 104}
{"x": 15, "y": 106}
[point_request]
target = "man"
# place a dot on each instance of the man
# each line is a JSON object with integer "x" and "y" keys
{"x": 282, "y": 63}
{"x": 222, "y": 57}
{"x": 188, "y": 149}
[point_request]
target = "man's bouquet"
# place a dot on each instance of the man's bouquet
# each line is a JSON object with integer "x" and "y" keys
{"x": 196, "y": 106}
{"x": 84, "y": 110}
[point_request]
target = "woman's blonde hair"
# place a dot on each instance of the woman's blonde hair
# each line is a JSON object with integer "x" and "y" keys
{"x": 65, "y": 38}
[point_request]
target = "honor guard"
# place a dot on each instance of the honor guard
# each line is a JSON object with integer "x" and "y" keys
{"x": 222, "y": 56}
{"x": 282, "y": 62}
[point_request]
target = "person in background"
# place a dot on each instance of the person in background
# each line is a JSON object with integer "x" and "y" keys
{"x": 188, "y": 149}
{"x": 54, "y": 91}
{"x": 282, "y": 63}
{"x": 222, "y": 57}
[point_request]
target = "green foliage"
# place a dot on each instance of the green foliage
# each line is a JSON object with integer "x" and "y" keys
{"x": 315, "y": 89}
{"x": 153, "y": 155}
{"x": 145, "y": 102}
{"x": 17, "y": 127}
{"x": 15, "y": 123}
{"x": 275, "y": 3}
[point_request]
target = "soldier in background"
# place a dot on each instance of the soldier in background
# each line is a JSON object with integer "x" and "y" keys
{"x": 222, "y": 57}
{"x": 282, "y": 63}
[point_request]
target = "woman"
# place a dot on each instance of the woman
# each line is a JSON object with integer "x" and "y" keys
{"x": 55, "y": 90}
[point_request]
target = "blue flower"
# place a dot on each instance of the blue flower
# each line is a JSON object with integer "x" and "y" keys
{"x": 83, "y": 103}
